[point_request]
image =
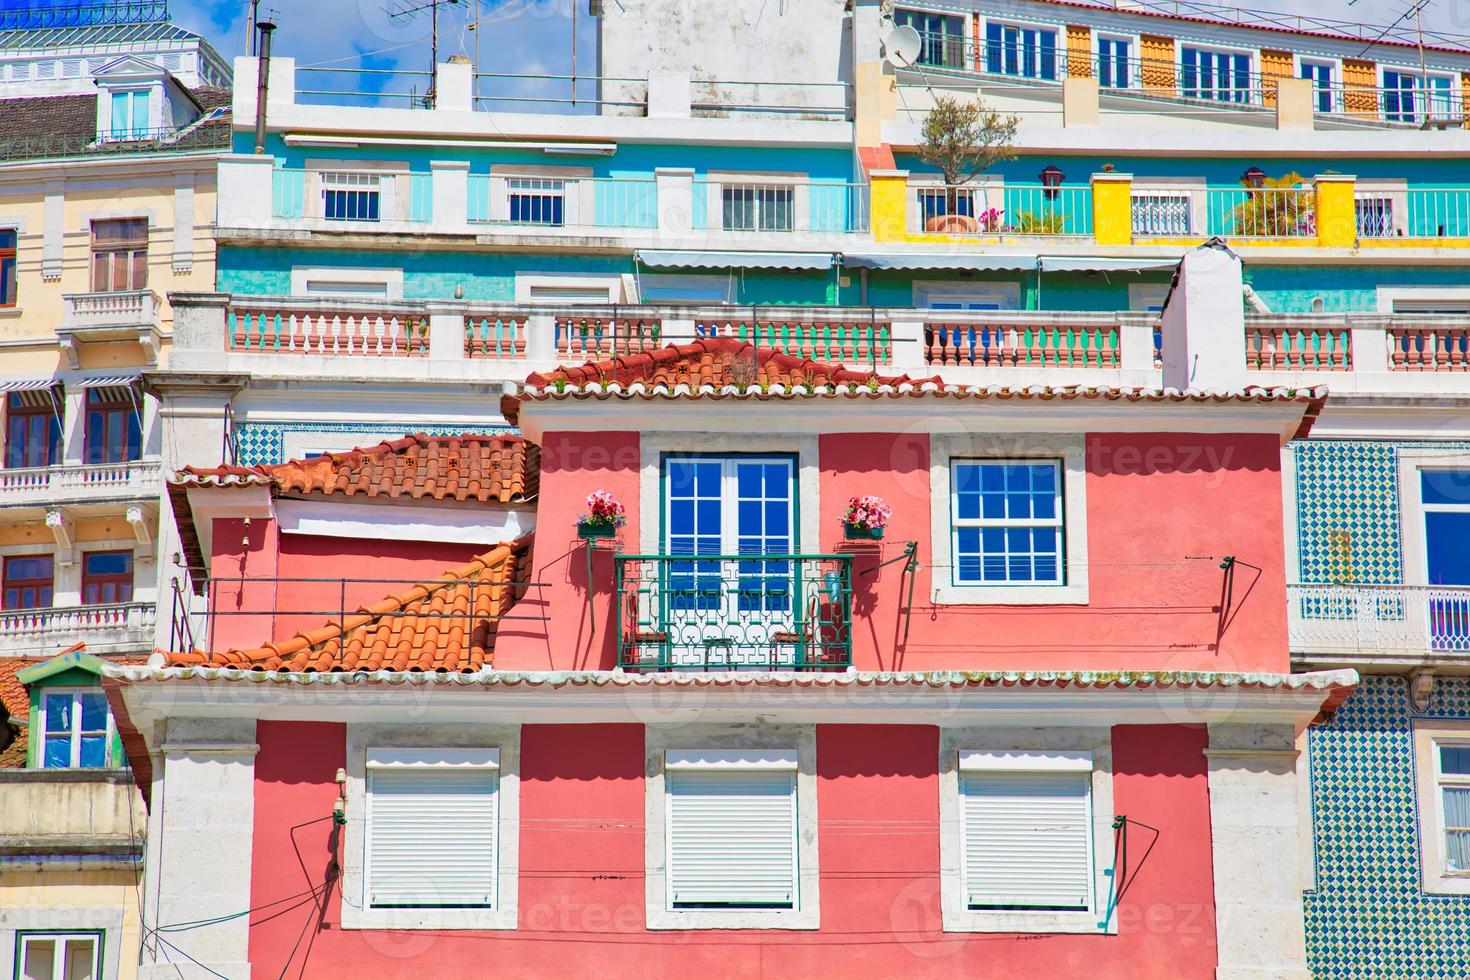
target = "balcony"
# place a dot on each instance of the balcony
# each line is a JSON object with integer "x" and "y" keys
{"x": 734, "y": 612}
{"x": 53, "y": 486}
{"x": 130, "y": 315}
{"x": 1001, "y": 212}
{"x": 1384, "y": 623}
{"x": 106, "y": 629}
{"x": 71, "y": 811}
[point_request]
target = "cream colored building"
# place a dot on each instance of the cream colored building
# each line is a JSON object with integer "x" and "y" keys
{"x": 100, "y": 236}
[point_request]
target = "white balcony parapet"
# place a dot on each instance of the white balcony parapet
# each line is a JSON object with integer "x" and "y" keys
{"x": 111, "y": 628}
{"x": 51, "y": 485}
{"x": 125, "y": 315}
{"x": 1403, "y": 622}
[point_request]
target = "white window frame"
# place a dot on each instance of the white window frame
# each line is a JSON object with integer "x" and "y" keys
{"x": 796, "y": 181}
{"x": 1395, "y": 192}
{"x": 1072, "y": 451}
{"x": 1252, "y": 67}
{"x": 1411, "y": 505}
{"x": 1142, "y": 295}
{"x": 981, "y": 523}
{"x": 76, "y": 731}
{"x": 1192, "y": 187}
{"x": 304, "y": 276}
{"x": 1390, "y": 296}
{"x": 1005, "y": 295}
{"x": 981, "y": 42}
{"x": 1429, "y": 735}
{"x": 527, "y": 283}
{"x": 441, "y": 743}
{"x": 98, "y": 939}
{"x": 693, "y": 282}
{"x": 1056, "y": 749}
{"x": 1335, "y": 86}
{"x": 135, "y": 132}
{"x": 733, "y": 746}
{"x": 1135, "y": 60}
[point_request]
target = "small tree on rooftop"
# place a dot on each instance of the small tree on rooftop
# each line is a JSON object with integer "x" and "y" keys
{"x": 963, "y": 139}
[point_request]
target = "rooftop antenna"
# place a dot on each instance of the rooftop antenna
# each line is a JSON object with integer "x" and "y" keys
{"x": 432, "y": 6}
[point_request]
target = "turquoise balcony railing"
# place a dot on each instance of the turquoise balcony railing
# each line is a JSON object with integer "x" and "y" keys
{"x": 734, "y": 612}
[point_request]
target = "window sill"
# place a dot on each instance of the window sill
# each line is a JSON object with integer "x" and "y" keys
{"x": 733, "y": 918}
{"x": 1018, "y": 595}
{"x": 1073, "y": 923}
{"x": 7, "y": 312}
{"x": 1453, "y": 883}
{"x": 355, "y": 917}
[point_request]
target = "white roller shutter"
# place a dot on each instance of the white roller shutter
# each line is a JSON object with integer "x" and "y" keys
{"x": 432, "y": 829}
{"x": 1027, "y": 839}
{"x": 732, "y": 835}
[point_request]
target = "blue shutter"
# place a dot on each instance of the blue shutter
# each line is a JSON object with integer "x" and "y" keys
{"x": 993, "y": 35}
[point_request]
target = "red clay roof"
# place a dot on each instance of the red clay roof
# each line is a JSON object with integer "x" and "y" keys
{"x": 480, "y": 468}
{"x": 447, "y": 625}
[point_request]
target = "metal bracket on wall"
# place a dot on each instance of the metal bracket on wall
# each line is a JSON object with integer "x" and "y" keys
{"x": 910, "y": 558}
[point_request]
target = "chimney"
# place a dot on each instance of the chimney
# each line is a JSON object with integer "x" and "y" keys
{"x": 1204, "y": 321}
{"x": 263, "y": 76}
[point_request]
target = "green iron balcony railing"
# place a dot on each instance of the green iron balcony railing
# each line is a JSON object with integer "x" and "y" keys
{"x": 734, "y": 612}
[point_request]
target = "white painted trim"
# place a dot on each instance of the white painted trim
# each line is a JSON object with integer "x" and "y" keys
{"x": 730, "y": 759}
{"x": 1429, "y": 734}
{"x": 1065, "y": 746}
{"x": 1017, "y": 761}
{"x": 432, "y": 758}
{"x": 704, "y": 739}
{"x": 1415, "y": 555}
{"x": 488, "y": 524}
{"x": 526, "y": 282}
{"x": 446, "y": 741}
{"x": 1289, "y": 505}
{"x": 1071, "y": 450}
{"x": 1307, "y": 810}
{"x": 739, "y": 440}
{"x": 1388, "y": 295}
{"x": 303, "y": 275}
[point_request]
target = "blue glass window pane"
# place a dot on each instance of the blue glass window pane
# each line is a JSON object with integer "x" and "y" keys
{"x": 681, "y": 516}
{"x": 94, "y": 712}
{"x": 1044, "y": 505}
{"x": 58, "y": 752}
{"x": 58, "y": 708}
{"x": 750, "y": 517}
{"x": 707, "y": 479}
{"x": 94, "y": 751}
{"x": 708, "y": 515}
{"x": 993, "y": 505}
{"x": 1445, "y": 486}
{"x": 748, "y": 480}
{"x": 1454, "y": 759}
{"x": 1447, "y": 543}
{"x": 778, "y": 519}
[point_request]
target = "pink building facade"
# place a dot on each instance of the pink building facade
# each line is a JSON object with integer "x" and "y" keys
{"x": 1043, "y": 726}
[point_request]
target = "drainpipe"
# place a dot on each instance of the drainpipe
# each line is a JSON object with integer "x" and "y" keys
{"x": 263, "y": 82}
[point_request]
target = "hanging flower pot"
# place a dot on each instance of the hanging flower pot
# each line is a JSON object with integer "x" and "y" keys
{"x": 605, "y": 515}
{"x": 865, "y": 518}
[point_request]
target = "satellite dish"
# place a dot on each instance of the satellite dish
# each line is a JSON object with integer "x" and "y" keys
{"x": 902, "y": 46}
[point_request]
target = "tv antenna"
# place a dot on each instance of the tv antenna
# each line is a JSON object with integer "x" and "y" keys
{"x": 408, "y": 11}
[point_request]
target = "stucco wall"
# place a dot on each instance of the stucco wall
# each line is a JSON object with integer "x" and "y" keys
{"x": 582, "y": 861}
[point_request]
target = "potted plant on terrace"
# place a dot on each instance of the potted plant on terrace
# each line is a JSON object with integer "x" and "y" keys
{"x": 963, "y": 140}
{"x": 603, "y": 518}
{"x": 865, "y": 518}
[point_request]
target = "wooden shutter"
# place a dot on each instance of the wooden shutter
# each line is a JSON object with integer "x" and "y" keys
{"x": 1027, "y": 838}
{"x": 432, "y": 829}
{"x": 732, "y": 832}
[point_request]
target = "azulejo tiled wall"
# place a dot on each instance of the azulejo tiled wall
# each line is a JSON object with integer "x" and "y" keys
{"x": 1347, "y": 510}
{"x": 262, "y": 443}
{"x": 1369, "y": 917}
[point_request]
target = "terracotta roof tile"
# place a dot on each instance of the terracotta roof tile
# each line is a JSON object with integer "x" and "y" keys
{"x": 480, "y": 468}
{"x": 724, "y": 368}
{"x": 447, "y": 625}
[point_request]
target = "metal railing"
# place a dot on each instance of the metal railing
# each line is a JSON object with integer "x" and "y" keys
{"x": 557, "y": 202}
{"x": 1162, "y": 215}
{"x": 734, "y": 612}
{"x": 1378, "y": 619}
{"x": 358, "y": 196}
{"x": 987, "y": 209}
{"x": 1265, "y": 212}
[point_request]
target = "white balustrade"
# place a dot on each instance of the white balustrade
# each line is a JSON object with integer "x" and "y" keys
{"x": 1407, "y": 620}
{"x": 104, "y": 627}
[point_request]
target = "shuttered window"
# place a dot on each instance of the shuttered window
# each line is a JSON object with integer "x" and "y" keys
{"x": 1027, "y": 831}
{"x": 731, "y": 829}
{"x": 432, "y": 828}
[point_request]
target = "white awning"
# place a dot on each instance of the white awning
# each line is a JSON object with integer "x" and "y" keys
{"x": 671, "y": 259}
{"x": 1076, "y": 263}
{"x": 32, "y": 392}
{"x": 919, "y": 261}
{"x": 107, "y": 381}
{"x": 28, "y": 384}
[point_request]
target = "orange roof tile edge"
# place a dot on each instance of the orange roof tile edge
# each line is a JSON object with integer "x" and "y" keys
{"x": 445, "y": 625}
